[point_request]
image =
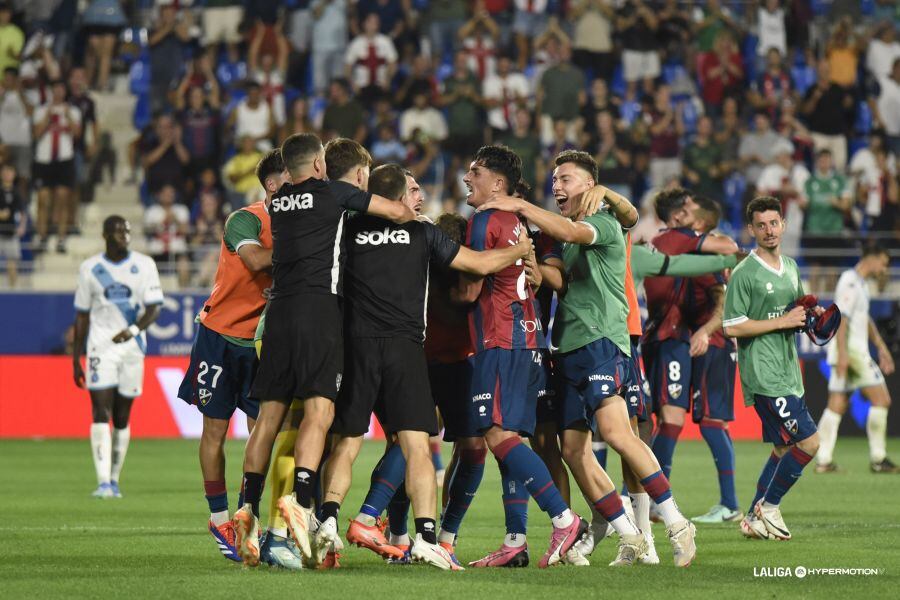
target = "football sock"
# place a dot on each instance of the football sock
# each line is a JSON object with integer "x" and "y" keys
{"x": 425, "y": 528}
{"x": 217, "y": 498}
{"x": 304, "y": 486}
{"x": 253, "y": 489}
{"x": 281, "y": 475}
{"x": 600, "y": 453}
{"x": 436, "y": 458}
{"x": 641, "y": 504}
{"x": 120, "y": 439}
{"x": 240, "y": 502}
{"x": 514, "y": 540}
{"x": 515, "y": 502}
{"x": 828, "y": 432}
{"x": 101, "y": 449}
{"x": 398, "y": 512}
{"x": 657, "y": 487}
{"x": 524, "y": 465}
{"x": 722, "y": 449}
{"x": 387, "y": 476}
{"x": 786, "y": 474}
{"x": 610, "y": 506}
{"x": 463, "y": 485}
{"x": 399, "y": 539}
{"x": 764, "y": 479}
{"x": 330, "y": 510}
{"x": 664, "y": 446}
{"x": 876, "y": 429}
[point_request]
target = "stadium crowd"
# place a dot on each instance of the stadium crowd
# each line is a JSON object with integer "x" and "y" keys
{"x": 795, "y": 98}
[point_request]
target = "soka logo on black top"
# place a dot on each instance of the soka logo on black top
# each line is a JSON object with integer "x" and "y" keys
{"x": 292, "y": 202}
{"x": 387, "y": 236}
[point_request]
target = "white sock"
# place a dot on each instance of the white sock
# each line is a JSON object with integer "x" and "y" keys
{"x": 876, "y": 429}
{"x": 629, "y": 508}
{"x": 446, "y": 537}
{"x": 120, "y": 439}
{"x": 625, "y": 525}
{"x": 563, "y": 519}
{"x": 598, "y": 446}
{"x": 101, "y": 448}
{"x": 279, "y": 531}
{"x": 514, "y": 540}
{"x": 365, "y": 519}
{"x": 641, "y": 504}
{"x": 219, "y": 518}
{"x": 399, "y": 540}
{"x": 669, "y": 512}
{"x": 828, "y": 431}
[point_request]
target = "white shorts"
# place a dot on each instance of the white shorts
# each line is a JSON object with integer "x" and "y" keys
{"x": 637, "y": 65}
{"x": 220, "y": 24}
{"x": 862, "y": 372}
{"x": 115, "y": 368}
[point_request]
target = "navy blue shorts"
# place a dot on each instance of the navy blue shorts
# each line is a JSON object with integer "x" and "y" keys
{"x": 785, "y": 419}
{"x": 503, "y": 391}
{"x": 636, "y": 387}
{"x": 544, "y": 391}
{"x": 450, "y": 390}
{"x": 585, "y": 378}
{"x": 712, "y": 388}
{"x": 668, "y": 368}
{"x": 219, "y": 377}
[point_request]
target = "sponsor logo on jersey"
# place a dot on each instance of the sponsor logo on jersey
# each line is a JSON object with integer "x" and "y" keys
{"x": 530, "y": 327}
{"x": 770, "y": 288}
{"x": 600, "y": 377}
{"x": 482, "y": 411}
{"x": 337, "y": 381}
{"x": 385, "y": 236}
{"x": 481, "y": 397}
{"x": 546, "y": 392}
{"x": 205, "y": 396}
{"x": 117, "y": 291}
{"x": 292, "y": 202}
{"x": 675, "y": 390}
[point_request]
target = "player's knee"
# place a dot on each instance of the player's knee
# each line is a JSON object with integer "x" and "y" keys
{"x": 810, "y": 445}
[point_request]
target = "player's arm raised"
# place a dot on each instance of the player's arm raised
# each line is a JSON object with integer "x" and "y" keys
{"x": 485, "y": 262}
{"x": 556, "y": 226}
{"x": 718, "y": 244}
{"x": 619, "y": 206}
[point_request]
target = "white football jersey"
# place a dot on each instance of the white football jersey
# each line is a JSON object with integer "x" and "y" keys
{"x": 116, "y": 294}
{"x": 852, "y": 297}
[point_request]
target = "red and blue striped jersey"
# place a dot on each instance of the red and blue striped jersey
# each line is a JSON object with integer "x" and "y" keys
{"x": 504, "y": 314}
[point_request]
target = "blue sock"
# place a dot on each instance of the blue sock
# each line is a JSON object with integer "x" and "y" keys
{"x": 388, "y": 475}
{"x": 600, "y": 453}
{"x": 463, "y": 485}
{"x": 525, "y": 465}
{"x": 436, "y": 459}
{"x": 786, "y": 475}
{"x": 765, "y": 478}
{"x": 664, "y": 446}
{"x": 398, "y": 511}
{"x": 515, "y": 502}
{"x": 722, "y": 449}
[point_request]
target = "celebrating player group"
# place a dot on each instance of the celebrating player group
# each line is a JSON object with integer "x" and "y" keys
{"x": 335, "y": 300}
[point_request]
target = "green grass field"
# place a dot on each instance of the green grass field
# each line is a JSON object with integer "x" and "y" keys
{"x": 58, "y": 541}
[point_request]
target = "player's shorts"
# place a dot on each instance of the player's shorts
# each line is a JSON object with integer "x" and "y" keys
{"x": 545, "y": 391}
{"x": 118, "y": 366}
{"x": 585, "y": 378}
{"x": 862, "y": 372}
{"x": 785, "y": 419}
{"x": 712, "y": 385}
{"x": 668, "y": 368}
{"x": 219, "y": 376}
{"x": 387, "y": 376}
{"x": 302, "y": 349}
{"x": 503, "y": 389}
{"x": 635, "y": 387}
{"x": 450, "y": 384}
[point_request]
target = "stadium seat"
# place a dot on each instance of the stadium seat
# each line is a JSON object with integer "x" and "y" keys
{"x": 139, "y": 76}
{"x": 142, "y": 117}
{"x": 629, "y": 110}
{"x": 820, "y": 8}
{"x": 856, "y": 144}
{"x": 690, "y": 114}
{"x": 617, "y": 86}
{"x": 735, "y": 187}
{"x": 804, "y": 77}
{"x": 867, "y": 7}
{"x": 748, "y": 55}
{"x": 863, "y": 124}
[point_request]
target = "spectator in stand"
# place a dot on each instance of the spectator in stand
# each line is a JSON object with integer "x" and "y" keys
{"x": 721, "y": 73}
{"x": 163, "y": 155}
{"x": 201, "y": 129}
{"x": 864, "y": 169}
{"x": 522, "y": 140}
{"x": 168, "y": 42}
{"x": 612, "y": 151}
{"x": 12, "y": 222}
{"x": 387, "y": 147}
{"x": 253, "y": 117}
{"x": 344, "y": 116}
{"x": 85, "y": 144}
{"x": 57, "y": 125}
{"x": 12, "y": 40}
{"x": 101, "y": 23}
{"x": 600, "y": 101}
{"x": 240, "y": 171}
{"x": 445, "y": 18}
{"x": 558, "y": 143}
{"x": 883, "y": 50}
{"x": 462, "y": 104}
{"x": 593, "y": 50}
{"x": 828, "y": 202}
{"x": 329, "y": 40}
{"x": 772, "y": 86}
{"x": 843, "y": 52}
{"x": 882, "y": 199}
{"x": 674, "y": 33}
{"x": 390, "y": 13}
{"x": 529, "y": 21}
{"x": 419, "y": 79}
{"x": 711, "y": 20}
{"x": 793, "y": 130}
{"x": 786, "y": 179}
{"x": 15, "y": 127}
{"x": 383, "y": 114}
{"x": 424, "y": 119}
{"x": 221, "y": 20}
{"x": 756, "y": 147}
{"x": 889, "y": 107}
{"x": 560, "y": 97}
{"x": 729, "y": 130}
{"x": 267, "y": 35}
{"x": 703, "y": 161}
{"x": 166, "y": 226}
{"x": 208, "y": 226}
{"x": 770, "y": 22}
{"x": 637, "y": 24}
{"x": 503, "y": 93}
{"x": 666, "y": 127}
{"x": 829, "y": 109}
{"x": 299, "y": 36}
{"x": 298, "y": 120}
{"x": 371, "y": 62}
{"x": 208, "y": 184}
{"x": 271, "y": 78}
{"x": 479, "y": 38}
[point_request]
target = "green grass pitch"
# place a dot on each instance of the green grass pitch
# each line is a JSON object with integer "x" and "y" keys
{"x": 59, "y": 542}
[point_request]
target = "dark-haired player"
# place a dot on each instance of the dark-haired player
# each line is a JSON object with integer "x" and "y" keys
{"x": 761, "y": 289}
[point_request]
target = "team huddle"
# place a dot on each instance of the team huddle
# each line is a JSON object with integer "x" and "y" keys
{"x": 335, "y": 300}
